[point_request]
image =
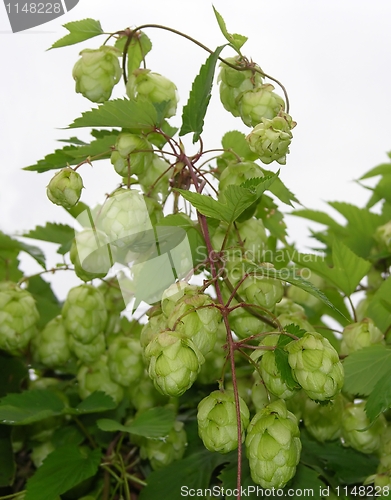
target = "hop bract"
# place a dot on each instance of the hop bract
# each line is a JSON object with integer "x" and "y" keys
{"x": 260, "y": 103}
{"x": 217, "y": 425}
{"x": 359, "y": 335}
{"x": 154, "y": 87}
{"x": 273, "y": 445}
{"x": 96, "y": 73}
{"x": 270, "y": 139}
{"x": 174, "y": 363}
{"x": 316, "y": 366}
{"x": 84, "y": 313}
{"x": 65, "y": 188}
{"x": 18, "y": 317}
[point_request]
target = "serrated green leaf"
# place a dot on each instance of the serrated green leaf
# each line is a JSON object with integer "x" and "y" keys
{"x": 70, "y": 434}
{"x": 321, "y": 218}
{"x": 12, "y": 372}
{"x": 47, "y": 303}
{"x": 138, "y": 48}
{"x": 63, "y": 469}
{"x": 284, "y": 368}
{"x": 194, "y": 111}
{"x": 279, "y": 189}
{"x": 382, "y": 169}
{"x": 235, "y": 40}
{"x": 236, "y": 141}
{"x": 7, "y": 461}
{"x": 272, "y": 218}
{"x": 377, "y": 308}
{"x": 152, "y": 423}
{"x": 95, "y": 403}
{"x": 364, "y": 368}
{"x": 54, "y": 233}
{"x": 137, "y": 115}
{"x": 306, "y": 479}
{"x": 79, "y": 31}
{"x": 380, "y": 398}
{"x": 193, "y": 471}
{"x": 29, "y": 406}
{"x": 8, "y": 244}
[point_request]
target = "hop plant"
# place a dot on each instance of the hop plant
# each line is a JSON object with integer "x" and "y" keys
{"x": 324, "y": 422}
{"x": 383, "y": 235}
{"x": 51, "y": 345}
{"x": 124, "y": 217}
{"x": 262, "y": 102}
{"x": 273, "y": 445}
{"x": 65, "y": 187}
{"x": 217, "y": 424}
{"x": 357, "y": 431}
{"x": 270, "y": 139}
{"x": 89, "y": 352}
{"x": 18, "y": 317}
{"x": 154, "y": 87}
{"x": 162, "y": 452}
{"x": 84, "y": 313}
{"x": 124, "y": 359}
{"x": 359, "y": 335}
{"x": 237, "y": 173}
{"x": 132, "y": 155}
{"x": 233, "y": 83}
{"x": 174, "y": 362}
{"x": 96, "y": 73}
{"x": 262, "y": 290}
{"x": 316, "y": 367}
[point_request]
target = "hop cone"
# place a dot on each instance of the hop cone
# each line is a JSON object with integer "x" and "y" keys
{"x": 51, "y": 345}
{"x": 154, "y": 87}
{"x": 84, "y": 313}
{"x": 237, "y": 173}
{"x": 234, "y": 83}
{"x": 262, "y": 290}
{"x": 383, "y": 235}
{"x": 357, "y": 430}
{"x": 18, "y": 317}
{"x": 323, "y": 422}
{"x": 270, "y": 139}
{"x": 273, "y": 445}
{"x": 174, "y": 363}
{"x": 124, "y": 217}
{"x": 359, "y": 335}
{"x": 262, "y": 102}
{"x": 316, "y": 366}
{"x": 65, "y": 187}
{"x": 162, "y": 452}
{"x": 156, "y": 324}
{"x": 96, "y": 377}
{"x": 90, "y": 352}
{"x": 144, "y": 395}
{"x": 96, "y": 73}
{"x": 91, "y": 255}
{"x": 217, "y": 425}
{"x": 132, "y": 155}
{"x": 125, "y": 360}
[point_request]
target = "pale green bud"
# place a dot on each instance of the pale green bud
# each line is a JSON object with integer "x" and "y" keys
{"x": 65, "y": 187}
{"x": 359, "y": 335}
{"x": 237, "y": 173}
{"x": 132, "y": 155}
{"x": 324, "y": 422}
{"x": 51, "y": 345}
{"x": 125, "y": 361}
{"x": 90, "y": 352}
{"x": 260, "y": 103}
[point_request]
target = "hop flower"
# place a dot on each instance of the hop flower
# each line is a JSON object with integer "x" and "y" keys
{"x": 91, "y": 254}
{"x": 96, "y": 73}
{"x": 162, "y": 452}
{"x": 357, "y": 430}
{"x": 233, "y": 83}
{"x": 18, "y": 317}
{"x": 156, "y": 88}
{"x": 383, "y": 235}
{"x": 125, "y": 360}
{"x": 217, "y": 425}
{"x": 65, "y": 188}
{"x": 273, "y": 445}
{"x": 90, "y": 352}
{"x": 323, "y": 422}
{"x": 316, "y": 366}
{"x": 262, "y": 290}
{"x": 174, "y": 363}
{"x": 133, "y": 154}
{"x": 124, "y": 217}
{"x": 51, "y": 345}
{"x": 84, "y": 313}
{"x": 270, "y": 139}
{"x": 237, "y": 173}
{"x": 359, "y": 335}
{"x": 262, "y": 102}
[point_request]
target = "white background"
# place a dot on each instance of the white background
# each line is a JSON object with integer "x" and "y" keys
{"x": 333, "y": 56}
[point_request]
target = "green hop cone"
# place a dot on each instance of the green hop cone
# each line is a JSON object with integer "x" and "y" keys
{"x": 357, "y": 431}
{"x": 90, "y": 352}
{"x": 154, "y": 87}
{"x": 262, "y": 290}
{"x": 124, "y": 217}
{"x": 233, "y": 83}
{"x": 155, "y": 179}
{"x": 262, "y": 102}
{"x": 217, "y": 425}
{"x": 324, "y": 422}
{"x": 157, "y": 323}
{"x": 174, "y": 363}
{"x": 96, "y": 73}
{"x": 270, "y": 139}
{"x": 125, "y": 361}
{"x": 237, "y": 173}
{"x": 164, "y": 451}
{"x": 65, "y": 187}
{"x": 96, "y": 377}
{"x": 144, "y": 395}
{"x": 383, "y": 236}
{"x": 359, "y": 335}
{"x": 51, "y": 345}
{"x": 18, "y": 317}
{"x": 84, "y": 313}
{"x": 273, "y": 445}
{"x": 316, "y": 367}
{"x": 91, "y": 254}
{"x": 132, "y": 155}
